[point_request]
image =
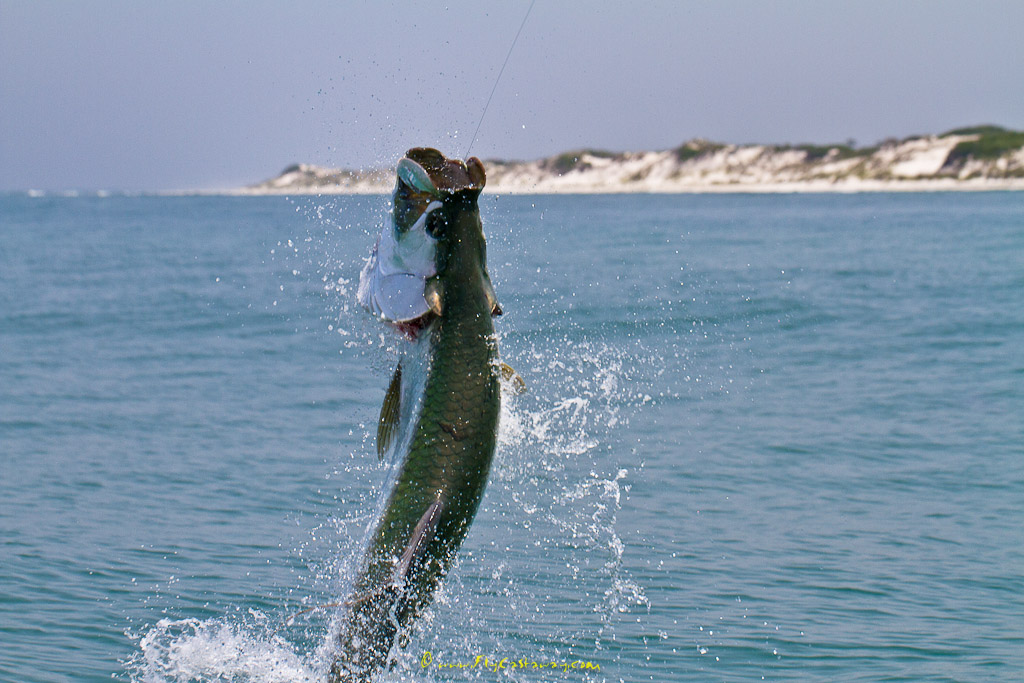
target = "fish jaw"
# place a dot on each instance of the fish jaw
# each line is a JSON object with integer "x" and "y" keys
{"x": 392, "y": 280}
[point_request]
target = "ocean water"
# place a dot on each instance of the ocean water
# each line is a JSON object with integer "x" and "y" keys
{"x": 775, "y": 437}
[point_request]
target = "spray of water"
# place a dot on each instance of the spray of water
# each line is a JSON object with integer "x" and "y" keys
{"x": 541, "y": 574}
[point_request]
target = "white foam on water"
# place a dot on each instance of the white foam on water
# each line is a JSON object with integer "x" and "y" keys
{"x": 219, "y": 650}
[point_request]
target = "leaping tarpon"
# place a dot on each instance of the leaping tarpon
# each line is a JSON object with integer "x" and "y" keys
{"x": 427, "y": 277}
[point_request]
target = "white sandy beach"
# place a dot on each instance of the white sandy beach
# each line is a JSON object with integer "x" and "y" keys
{"x": 921, "y": 164}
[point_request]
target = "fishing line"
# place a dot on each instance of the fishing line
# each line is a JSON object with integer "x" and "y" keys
{"x": 498, "y": 79}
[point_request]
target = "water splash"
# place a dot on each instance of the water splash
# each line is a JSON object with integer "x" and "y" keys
{"x": 547, "y": 525}
{"x": 219, "y": 650}
{"x": 557, "y": 462}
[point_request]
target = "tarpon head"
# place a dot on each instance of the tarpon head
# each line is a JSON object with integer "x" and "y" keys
{"x": 453, "y": 220}
{"x": 426, "y": 176}
{"x": 435, "y": 236}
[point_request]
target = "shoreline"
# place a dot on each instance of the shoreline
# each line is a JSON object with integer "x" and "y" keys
{"x": 982, "y": 158}
{"x": 845, "y": 187}
{"x": 867, "y": 187}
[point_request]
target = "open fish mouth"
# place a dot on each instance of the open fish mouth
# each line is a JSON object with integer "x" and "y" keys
{"x": 392, "y": 283}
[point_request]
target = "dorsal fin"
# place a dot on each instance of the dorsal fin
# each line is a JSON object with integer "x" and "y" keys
{"x": 389, "y": 413}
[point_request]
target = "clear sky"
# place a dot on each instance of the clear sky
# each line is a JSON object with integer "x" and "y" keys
{"x": 184, "y": 94}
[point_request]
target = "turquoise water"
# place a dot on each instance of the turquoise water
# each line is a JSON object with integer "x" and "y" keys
{"x": 765, "y": 436}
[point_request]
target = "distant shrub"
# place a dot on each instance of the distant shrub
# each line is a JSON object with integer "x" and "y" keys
{"x": 992, "y": 143}
{"x": 564, "y": 163}
{"x": 818, "y": 152}
{"x": 987, "y": 129}
{"x": 696, "y": 148}
{"x": 567, "y": 161}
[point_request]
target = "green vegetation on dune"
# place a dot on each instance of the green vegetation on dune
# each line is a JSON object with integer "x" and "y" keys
{"x": 988, "y": 152}
{"x": 818, "y": 152}
{"x": 567, "y": 161}
{"x": 696, "y": 148}
{"x": 985, "y": 129}
{"x": 992, "y": 143}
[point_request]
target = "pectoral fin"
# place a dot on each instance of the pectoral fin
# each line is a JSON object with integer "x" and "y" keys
{"x": 389, "y": 413}
{"x": 512, "y": 377}
{"x": 432, "y": 292}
